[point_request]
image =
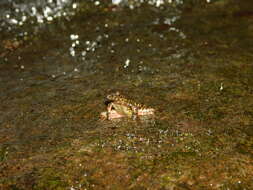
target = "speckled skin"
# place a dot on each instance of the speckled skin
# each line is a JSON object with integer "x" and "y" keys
{"x": 120, "y": 106}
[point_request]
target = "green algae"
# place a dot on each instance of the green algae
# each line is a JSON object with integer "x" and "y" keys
{"x": 50, "y": 179}
{"x": 3, "y": 153}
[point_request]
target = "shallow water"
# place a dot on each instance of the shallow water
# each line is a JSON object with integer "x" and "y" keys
{"x": 190, "y": 61}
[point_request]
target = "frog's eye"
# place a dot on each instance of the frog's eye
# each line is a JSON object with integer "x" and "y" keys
{"x": 108, "y": 96}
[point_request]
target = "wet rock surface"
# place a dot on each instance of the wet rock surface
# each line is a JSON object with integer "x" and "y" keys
{"x": 190, "y": 61}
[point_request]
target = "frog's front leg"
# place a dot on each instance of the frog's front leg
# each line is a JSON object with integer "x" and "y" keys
{"x": 109, "y": 109}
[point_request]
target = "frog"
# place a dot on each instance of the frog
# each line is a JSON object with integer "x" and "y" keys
{"x": 119, "y": 107}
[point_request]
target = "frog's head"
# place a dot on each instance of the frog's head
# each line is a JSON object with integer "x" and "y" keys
{"x": 113, "y": 96}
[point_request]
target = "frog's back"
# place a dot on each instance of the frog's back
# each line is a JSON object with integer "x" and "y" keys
{"x": 121, "y": 99}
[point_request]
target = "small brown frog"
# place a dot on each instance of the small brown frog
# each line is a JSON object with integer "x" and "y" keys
{"x": 119, "y": 106}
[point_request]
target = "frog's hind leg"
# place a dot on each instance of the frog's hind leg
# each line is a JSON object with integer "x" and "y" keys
{"x": 134, "y": 112}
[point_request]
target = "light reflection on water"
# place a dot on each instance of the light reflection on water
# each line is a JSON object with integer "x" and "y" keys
{"x": 85, "y": 46}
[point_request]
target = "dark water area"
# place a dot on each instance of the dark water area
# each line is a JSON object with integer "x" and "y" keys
{"x": 191, "y": 61}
